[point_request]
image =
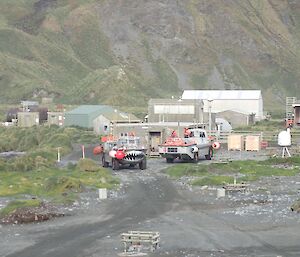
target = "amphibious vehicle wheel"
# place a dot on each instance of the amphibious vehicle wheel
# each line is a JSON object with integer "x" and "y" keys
{"x": 196, "y": 158}
{"x": 170, "y": 160}
{"x": 143, "y": 164}
{"x": 210, "y": 154}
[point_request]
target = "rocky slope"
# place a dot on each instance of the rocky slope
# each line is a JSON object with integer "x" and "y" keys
{"x": 124, "y": 52}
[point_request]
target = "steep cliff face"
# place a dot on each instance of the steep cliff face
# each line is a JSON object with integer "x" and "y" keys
{"x": 124, "y": 52}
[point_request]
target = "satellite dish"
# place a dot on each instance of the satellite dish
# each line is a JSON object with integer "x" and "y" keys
{"x": 284, "y": 138}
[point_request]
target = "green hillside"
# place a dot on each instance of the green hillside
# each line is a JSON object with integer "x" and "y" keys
{"x": 125, "y": 52}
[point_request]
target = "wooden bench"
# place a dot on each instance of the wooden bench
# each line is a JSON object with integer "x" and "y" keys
{"x": 135, "y": 241}
{"x": 237, "y": 187}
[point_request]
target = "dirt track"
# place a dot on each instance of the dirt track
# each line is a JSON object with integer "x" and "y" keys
{"x": 192, "y": 222}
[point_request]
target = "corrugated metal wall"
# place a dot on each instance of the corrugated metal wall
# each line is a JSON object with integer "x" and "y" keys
{"x": 81, "y": 120}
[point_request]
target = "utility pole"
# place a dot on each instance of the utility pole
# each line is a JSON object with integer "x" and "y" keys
{"x": 58, "y": 154}
{"x": 210, "y": 100}
{"x": 83, "y": 152}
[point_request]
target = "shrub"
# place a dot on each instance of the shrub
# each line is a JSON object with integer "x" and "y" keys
{"x": 24, "y": 163}
{"x": 59, "y": 140}
{"x": 63, "y": 184}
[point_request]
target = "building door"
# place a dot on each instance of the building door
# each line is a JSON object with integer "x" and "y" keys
{"x": 155, "y": 140}
{"x": 297, "y": 115}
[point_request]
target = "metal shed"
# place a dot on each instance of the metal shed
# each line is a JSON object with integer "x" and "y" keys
{"x": 83, "y": 116}
{"x": 103, "y": 124}
{"x": 236, "y": 119}
{"x": 243, "y": 101}
{"x": 97, "y": 117}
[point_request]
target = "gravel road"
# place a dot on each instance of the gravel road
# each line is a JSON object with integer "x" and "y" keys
{"x": 192, "y": 221}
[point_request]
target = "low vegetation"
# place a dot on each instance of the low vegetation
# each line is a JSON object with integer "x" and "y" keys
{"x": 53, "y": 185}
{"x": 212, "y": 180}
{"x": 36, "y": 175}
{"x": 264, "y": 125}
{"x": 187, "y": 169}
{"x": 17, "y": 204}
{"x": 52, "y": 182}
{"x": 222, "y": 173}
{"x": 43, "y": 137}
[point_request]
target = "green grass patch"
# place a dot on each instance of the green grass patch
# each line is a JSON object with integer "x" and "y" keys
{"x": 264, "y": 125}
{"x": 35, "y": 173}
{"x": 54, "y": 183}
{"x": 212, "y": 180}
{"x": 293, "y": 161}
{"x": 186, "y": 169}
{"x": 87, "y": 165}
{"x": 217, "y": 180}
{"x": 17, "y": 204}
{"x": 259, "y": 169}
{"x": 246, "y": 171}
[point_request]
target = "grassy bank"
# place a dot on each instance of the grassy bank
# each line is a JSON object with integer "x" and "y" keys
{"x": 60, "y": 186}
{"x": 35, "y": 173}
{"x": 40, "y": 145}
{"x": 222, "y": 173}
{"x": 18, "y": 204}
{"x": 53, "y": 182}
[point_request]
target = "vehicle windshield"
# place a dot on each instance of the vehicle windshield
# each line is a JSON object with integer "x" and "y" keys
{"x": 129, "y": 141}
{"x": 123, "y": 141}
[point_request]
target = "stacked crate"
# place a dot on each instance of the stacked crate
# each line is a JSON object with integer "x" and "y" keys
{"x": 252, "y": 143}
{"x": 235, "y": 142}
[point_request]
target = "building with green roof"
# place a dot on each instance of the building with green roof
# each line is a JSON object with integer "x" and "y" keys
{"x": 83, "y": 115}
{"x": 97, "y": 117}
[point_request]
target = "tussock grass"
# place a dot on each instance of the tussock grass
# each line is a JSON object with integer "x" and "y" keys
{"x": 43, "y": 138}
{"x": 35, "y": 173}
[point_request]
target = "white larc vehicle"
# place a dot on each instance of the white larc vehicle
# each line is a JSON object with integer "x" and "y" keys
{"x": 192, "y": 147}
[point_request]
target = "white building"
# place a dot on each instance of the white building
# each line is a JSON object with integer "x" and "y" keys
{"x": 243, "y": 101}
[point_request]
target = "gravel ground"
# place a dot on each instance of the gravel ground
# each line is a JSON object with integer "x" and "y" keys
{"x": 192, "y": 221}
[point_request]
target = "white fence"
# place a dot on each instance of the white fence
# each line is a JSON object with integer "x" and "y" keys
{"x": 270, "y": 136}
